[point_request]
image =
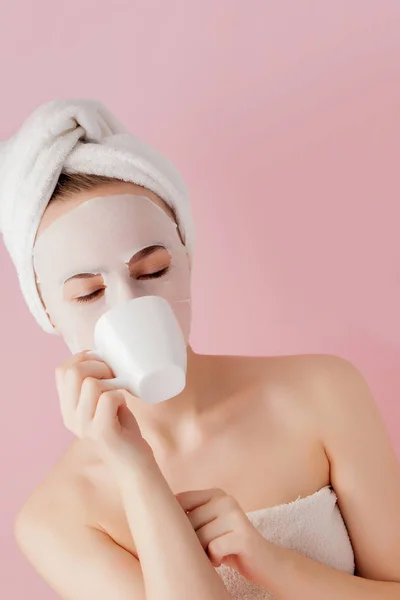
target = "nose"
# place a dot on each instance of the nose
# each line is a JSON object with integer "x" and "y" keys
{"x": 125, "y": 290}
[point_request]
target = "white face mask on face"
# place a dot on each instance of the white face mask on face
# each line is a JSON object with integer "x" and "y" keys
{"x": 102, "y": 237}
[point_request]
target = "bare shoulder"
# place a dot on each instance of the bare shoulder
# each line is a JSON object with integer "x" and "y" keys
{"x": 314, "y": 374}
{"x": 316, "y": 384}
{"x": 298, "y": 365}
{"x": 333, "y": 385}
{"x": 309, "y": 369}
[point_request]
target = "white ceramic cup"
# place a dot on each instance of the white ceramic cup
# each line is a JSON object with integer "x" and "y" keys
{"x": 142, "y": 342}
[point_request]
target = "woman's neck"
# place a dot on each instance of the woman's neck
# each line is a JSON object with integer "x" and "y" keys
{"x": 170, "y": 422}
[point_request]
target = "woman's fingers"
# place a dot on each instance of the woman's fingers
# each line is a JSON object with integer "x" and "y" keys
{"x": 204, "y": 506}
{"x": 219, "y": 522}
{"x": 91, "y": 390}
{"x": 193, "y": 499}
{"x": 70, "y": 362}
{"x": 202, "y": 515}
{"x": 211, "y": 531}
{"x": 75, "y": 375}
{"x": 74, "y": 361}
{"x": 222, "y": 546}
{"x": 93, "y": 409}
{"x": 106, "y": 415}
{"x": 79, "y": 385}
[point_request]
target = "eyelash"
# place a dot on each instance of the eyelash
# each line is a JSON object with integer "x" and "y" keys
{"x": 93, "y": 295}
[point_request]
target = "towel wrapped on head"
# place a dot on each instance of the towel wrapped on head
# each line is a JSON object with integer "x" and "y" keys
{"x": 74, "y": 136}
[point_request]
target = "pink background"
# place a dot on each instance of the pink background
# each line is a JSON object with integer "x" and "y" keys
{"x": 284, "y": 118}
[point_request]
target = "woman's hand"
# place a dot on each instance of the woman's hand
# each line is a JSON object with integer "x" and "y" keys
{"x": 93, "y": 409}
{"x": 225, "y": 531}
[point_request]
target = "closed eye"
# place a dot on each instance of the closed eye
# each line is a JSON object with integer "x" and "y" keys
{"x": 97, "y": 293}
{"x": 154, "y": 275}
{"x": 89, "y": 297}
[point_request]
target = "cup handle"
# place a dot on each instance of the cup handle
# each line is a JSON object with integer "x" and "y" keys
{"x": 117, "y": 382}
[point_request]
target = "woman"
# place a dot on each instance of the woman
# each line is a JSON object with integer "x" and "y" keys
{"x": 265, "y": 478}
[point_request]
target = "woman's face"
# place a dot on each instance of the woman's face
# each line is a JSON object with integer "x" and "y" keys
{"x": 103, "y": 247}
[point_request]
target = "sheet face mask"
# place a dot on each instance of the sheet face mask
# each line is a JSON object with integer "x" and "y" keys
{"x": 101, "y": 236}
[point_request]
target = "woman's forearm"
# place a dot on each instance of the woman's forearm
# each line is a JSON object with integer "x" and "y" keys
{"x": 173, "y": 562}
{"x": 289, "y": 575}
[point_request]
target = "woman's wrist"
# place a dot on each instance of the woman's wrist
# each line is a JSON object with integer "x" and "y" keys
{"x": 137, "y": 471}
{"x": 268, "y": 562}
{"x": 135, "y": 463}
{"x": 146, "y": 495}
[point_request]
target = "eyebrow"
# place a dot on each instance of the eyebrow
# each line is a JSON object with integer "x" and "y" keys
{"x": 144, "y": 253}
{"x": 84, "y": 275}
{"x": 140, "y": 255}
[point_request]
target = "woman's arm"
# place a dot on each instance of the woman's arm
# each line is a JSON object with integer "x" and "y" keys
{"x": 80, "y": 561}
{"x": 366, "y": 477}
{"x": 288, "y": 575}
{"x": 76, "y": 560}
{"x": 174, "y": 564}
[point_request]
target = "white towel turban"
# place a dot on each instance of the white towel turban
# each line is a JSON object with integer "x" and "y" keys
{"x": 73, "y": 136}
